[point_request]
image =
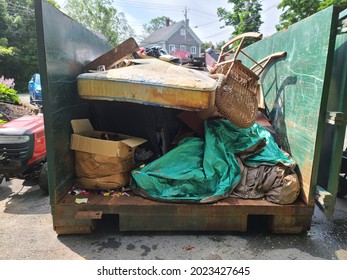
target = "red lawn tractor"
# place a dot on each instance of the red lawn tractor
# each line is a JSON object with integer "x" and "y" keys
{"x": 23, "y": 150}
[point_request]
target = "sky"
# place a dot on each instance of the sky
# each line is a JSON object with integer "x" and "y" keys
{"x": 202, "y": 15}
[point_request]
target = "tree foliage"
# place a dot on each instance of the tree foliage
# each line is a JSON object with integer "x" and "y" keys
{"x": 218, "y": 46}
{"x": 205, "y": 46}
{"x": 244, "y": 17}
{"x": 326, "y": 3}
{"x": 296, "y": 10}
{"x": 7, "y": 92}
{"x": 18, "y": 31}
{"x": 18, "y": 44}
{"x": 5, "y": 49}
{"x": 155, "y": 24}
{"x": 8, "y": 95}
{"x": 101, "y": 16}
{"x": 53, "y": 3}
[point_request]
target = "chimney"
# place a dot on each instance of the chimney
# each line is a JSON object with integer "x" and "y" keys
{"x": 167, "y": 22}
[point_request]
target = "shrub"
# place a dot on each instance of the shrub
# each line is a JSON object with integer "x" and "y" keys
{"x": 7, "y": 92}
{"x": 7, "y": 82}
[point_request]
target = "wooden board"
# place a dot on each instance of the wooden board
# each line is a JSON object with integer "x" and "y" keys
{"x": 113, "y": 56}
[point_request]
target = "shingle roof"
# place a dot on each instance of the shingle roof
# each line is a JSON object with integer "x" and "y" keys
{"x": 163, "y": 34}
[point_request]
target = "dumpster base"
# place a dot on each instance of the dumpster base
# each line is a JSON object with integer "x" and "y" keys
{"x": 138, "y": 214}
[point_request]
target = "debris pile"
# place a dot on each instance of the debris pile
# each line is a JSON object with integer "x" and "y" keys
{"x": 220, "y": 148}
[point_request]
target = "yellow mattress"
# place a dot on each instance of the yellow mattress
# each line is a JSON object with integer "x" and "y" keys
{"x": 151, "y": 82}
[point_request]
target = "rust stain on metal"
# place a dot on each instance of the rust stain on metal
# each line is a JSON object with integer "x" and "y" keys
{"x": 88, "y": 215}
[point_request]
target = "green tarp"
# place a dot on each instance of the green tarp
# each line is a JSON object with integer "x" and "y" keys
{"x": 206, "y": 170}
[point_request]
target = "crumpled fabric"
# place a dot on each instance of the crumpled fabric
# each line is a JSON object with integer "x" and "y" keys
{"x": 205, "y": 171}
{"x": 277, "y": 183}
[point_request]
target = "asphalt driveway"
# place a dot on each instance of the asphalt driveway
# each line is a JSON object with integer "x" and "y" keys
{"x": 26, "y": 233}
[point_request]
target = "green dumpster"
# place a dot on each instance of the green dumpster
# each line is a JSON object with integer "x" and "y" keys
{"x": 305, "y": 96}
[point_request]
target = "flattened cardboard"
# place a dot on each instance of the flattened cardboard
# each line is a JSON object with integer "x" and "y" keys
{"x": 106, "y": 183}
{"x": 102, "y": 164}
{"x": 93, "y": 166}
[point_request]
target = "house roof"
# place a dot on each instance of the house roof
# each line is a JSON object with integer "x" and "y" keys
{"x": 164, "y": 33}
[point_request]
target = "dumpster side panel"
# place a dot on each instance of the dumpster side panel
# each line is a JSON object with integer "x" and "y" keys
{"x": 62, "y": 55}
{"x": 334, "y": 135}
{"x": 296, "y": 89}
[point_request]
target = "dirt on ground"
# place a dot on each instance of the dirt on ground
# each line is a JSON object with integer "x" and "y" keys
{"x": 10, "y": 112}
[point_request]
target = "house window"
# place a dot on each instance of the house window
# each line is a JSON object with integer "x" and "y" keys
{"x": 193, "y": 49}
{"x": 183, "y": 31}
{"x": 172, "y": 48}
{"x": 182, "y": 47}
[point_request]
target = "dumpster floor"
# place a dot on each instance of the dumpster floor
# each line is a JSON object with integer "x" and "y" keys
{"x": 138, "y": 214}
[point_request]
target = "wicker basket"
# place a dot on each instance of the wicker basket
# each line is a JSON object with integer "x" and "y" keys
{"x": 236, "y": 97}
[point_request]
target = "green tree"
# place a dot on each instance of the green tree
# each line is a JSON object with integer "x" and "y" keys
{"x": 217, "y": 46}
{"x": 155, "y": 24}
{"x": 19, "y": 32}
{"x": 55, "y": 4}
{"x": 101, "y": 16}
{"x": 18, "y": 41}
{"x": 4, "y": 48}
{"x": 296, "y": 10}
{"x": 326, "y": 3}
{"x": 245, "y": 16}
{"x": 220, "y": 44}
{"x": 205, "y": 46}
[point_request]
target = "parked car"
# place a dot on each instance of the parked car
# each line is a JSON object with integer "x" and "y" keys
{"x": 35, "y": 90}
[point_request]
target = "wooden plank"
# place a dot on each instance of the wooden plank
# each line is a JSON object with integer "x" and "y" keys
{"x": 113, "y": 56}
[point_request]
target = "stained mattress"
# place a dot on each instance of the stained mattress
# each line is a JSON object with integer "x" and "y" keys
{"x": 151, "y": 82}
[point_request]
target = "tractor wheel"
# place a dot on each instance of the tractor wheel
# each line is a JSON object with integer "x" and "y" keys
{"x": 342, "y": 188}
{"x": 43, "y": 178}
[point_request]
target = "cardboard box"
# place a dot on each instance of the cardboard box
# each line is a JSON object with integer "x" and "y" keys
{"x": 103, "y": 160}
